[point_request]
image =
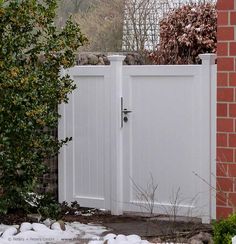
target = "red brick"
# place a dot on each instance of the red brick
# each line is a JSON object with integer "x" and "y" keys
{"x": 225, "y": 125}
{"x": 225, "y": 4}
{"x": 222, "y": 18}
{"x": 222, "y": 79}
{"x": 225, "y": 33}
{"x": 232, "y": 199}
{"x": 222, "y": 49}
{"x": 222, "y": 169}
{"x": 225, "y": 64}
{"x": 223, "y": 212}
{"x": 232, "y": 18}
{"x": 225, "y": 94}
{"x": 232, "y": 110}
{"x": 232, "y": 48}
{"x": 224, "y": 184}
{"x": 232, "y": 79}
{"x": 221, "y": 199}
{"x": 221, "y": 140}
{"x": 232, "y": 140}
{"x": 231, "y": 170}
{"x": 225, "y": 154}
{"x": 222, "y": 110}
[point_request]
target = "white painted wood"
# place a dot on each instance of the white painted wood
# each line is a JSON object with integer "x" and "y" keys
{"x": 162, "y": 137}
{"x": 116, "y": 172}
{"x": 62, "y": 154}
{"x": 208, "y": 167}
{"x": 213, "y": 139}
{"x": 170, "y": 135}
{"x": 84, "y": 172}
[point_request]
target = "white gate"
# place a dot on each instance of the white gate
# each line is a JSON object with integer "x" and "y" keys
{"x": 138, "y": 127}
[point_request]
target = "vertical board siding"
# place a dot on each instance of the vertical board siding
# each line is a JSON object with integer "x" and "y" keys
{"x": 165, "y": 138}
{"x": 89, "y": 127}
{"x": 169, "y": 136}
{"x": 85, "y": 157}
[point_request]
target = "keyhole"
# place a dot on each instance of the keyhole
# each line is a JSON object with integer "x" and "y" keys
{"x": 125, "y": 119}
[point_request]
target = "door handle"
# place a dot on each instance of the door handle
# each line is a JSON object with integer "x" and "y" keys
{"x": 124, "y": 112}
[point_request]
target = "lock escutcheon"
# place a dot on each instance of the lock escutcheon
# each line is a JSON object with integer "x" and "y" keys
{"x": 124, "y": 112}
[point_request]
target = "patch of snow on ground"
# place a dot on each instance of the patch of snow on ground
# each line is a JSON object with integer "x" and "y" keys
{"x": 234, "y": 240}
{"x": 74, "y": 233}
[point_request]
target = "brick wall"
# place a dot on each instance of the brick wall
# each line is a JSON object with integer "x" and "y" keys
{"x": 226, "y": 108}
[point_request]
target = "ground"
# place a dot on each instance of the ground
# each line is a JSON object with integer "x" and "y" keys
{"x": 154, "y": 229}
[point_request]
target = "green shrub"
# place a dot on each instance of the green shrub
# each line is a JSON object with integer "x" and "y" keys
{"x": 45, "y": 205}
{"x": 48, "y": 207}
{"x": 32, "y": 53}
{"x": 225, "y": 230}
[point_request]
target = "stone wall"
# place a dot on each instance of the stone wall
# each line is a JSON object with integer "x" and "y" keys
{"x": 101, "y": 59}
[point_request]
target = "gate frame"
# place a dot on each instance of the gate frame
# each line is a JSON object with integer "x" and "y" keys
{"x": 208, "y": 75}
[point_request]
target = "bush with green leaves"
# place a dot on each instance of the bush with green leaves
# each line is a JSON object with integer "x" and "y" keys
{"x": 32, "y": 53}
{"x": 224, "y": 230}
{"x": 45, "y": 205}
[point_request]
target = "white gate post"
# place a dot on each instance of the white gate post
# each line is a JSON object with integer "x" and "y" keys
{"x": 116, "y": 174}
{"x": 62, "y": 155}
{"x": 208, "y": 76}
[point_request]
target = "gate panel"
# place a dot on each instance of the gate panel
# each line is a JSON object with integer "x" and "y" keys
{"x": 87, "y": 155}
{"x": 169, "y": 138}
{"x": 162, "y": 140}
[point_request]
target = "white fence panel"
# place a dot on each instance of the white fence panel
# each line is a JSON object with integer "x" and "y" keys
{"x": 169, "y": 137}
{"x": 84, "y": 162}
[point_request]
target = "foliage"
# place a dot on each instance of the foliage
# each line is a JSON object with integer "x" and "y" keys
{"x": 225, "y": 230}
{"x": 48, "y": 207}
{"x": 141, "y": 20}
{"x": 185, "y": 33}
{"x": 72, "y": 209}
{"x": 32, "y": 52}
{"x": 103, "y": 25}
{"x": 71, "y": 7}
{"x": 45, "y": 205}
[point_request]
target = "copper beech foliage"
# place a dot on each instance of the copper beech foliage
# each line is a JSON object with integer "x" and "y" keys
{"x": 185, "y": 33}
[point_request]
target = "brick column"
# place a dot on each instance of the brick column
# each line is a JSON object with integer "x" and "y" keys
{"x": 226, "y": 108}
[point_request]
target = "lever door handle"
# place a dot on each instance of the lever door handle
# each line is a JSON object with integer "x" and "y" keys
{"x": 125, "y": 111}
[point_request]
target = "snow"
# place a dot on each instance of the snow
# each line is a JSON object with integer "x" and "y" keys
{"x": 234, "y": 240}
{"x": 188, "y": 26}
{"x": 37, "y": 233}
